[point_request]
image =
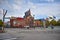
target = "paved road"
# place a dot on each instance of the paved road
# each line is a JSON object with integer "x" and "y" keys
{"x": 31, "y": 34}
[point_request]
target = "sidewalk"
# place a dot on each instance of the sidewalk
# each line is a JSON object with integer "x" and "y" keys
{"x": 16, "y": 30}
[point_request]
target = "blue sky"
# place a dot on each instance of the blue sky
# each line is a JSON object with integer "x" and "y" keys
{"x": 39, "y": 8}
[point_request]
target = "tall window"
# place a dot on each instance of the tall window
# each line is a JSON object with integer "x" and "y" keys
{"x": 14, "y": 22}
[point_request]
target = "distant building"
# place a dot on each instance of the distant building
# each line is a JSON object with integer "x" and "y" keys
{"x": 37, "y": 23}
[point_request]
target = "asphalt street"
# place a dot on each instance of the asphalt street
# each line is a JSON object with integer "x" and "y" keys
{"x": 31, "y": 34}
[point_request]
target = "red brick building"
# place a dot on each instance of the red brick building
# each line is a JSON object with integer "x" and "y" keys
{"x": 28, "y": 20}
{"x": 17, "y": 22}
{"x": 37, "y": 23}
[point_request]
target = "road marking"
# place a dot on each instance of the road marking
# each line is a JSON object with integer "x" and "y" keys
{"x": 8, "y": 39}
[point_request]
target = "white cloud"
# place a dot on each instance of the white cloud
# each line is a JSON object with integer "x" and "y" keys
{"x": 1, "y": 11}
{"x": 38, "y": 9}
{"x": 45, "y": 9}
{"x": 16, "y": 7}
{"x": 3, "y": 2}
{"x": 20, "y": 6}
{"x": 50, "y": 0}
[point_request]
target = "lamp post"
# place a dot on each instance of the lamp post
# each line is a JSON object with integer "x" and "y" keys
{"x": 33, "y": 21}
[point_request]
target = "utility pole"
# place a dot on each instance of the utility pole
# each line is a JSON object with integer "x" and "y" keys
{"x": 44, "y": 23}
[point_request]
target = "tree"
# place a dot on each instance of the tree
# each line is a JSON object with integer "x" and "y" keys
{"x": 47, "y": 23}
{"x": 41, "y": 23}
{"x": 53, "y": 22}
{"x": 1, "y": 23}
{"x": 58, "y": 22}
